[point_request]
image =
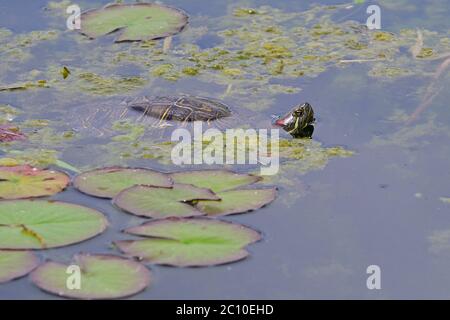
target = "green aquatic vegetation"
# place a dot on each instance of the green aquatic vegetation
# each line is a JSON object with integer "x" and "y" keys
{"x": 27, "y": 182}
{"x": 103, "y": 277}
{"x": 44, "y": 224}
{"x": 256, "y": 48}
{"x": 383, "y": 71}
{"x": 301, "y": 156}
{"x": 35, "y": 123}
{"x": 411, "y": 136}
{"x": 100, "y": 85}
{"x": 45, "y": 136}
{"x": 232, "y": 72}
{"x": 8, "y": 113}
{"x": 215, "y": 180}
{"x": 163, "y": 202}
{"x": 133, "y": 22}
{"x": 320, "y": 30}
{"x": 190, "y": 71}
{"x": 24, "y": 86}
{"x": 425, "y": 53}
{"x": 5, "y": 34}
{"x": 297, "y": 149}
{"x": 383, "y": 36}
{"x": 58, "y": 5}
{"x": 65, "y": 72}
{"x": 16, "y": 264}
{"x": 35, "y": 157}
{"x": 108, "y": 182}
{"x": 189, "y": 242}
{"x": 237, "y": 201}
{"x": 16, "y": 49}
{"x": 131, "y": 132}
{"x": 445, "y": 200}
{"x": 166, "y": 71}
{"x": 355, "y": 45}
{"x": 25, "y": 161}
{"x": 242, "y": 12}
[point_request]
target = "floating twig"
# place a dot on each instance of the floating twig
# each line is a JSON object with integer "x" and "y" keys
{"x": 432, "y": 91}
{"x": 167, "y": 45}
{"x": 361, "y": 60}
{"x": 418, "y": 46}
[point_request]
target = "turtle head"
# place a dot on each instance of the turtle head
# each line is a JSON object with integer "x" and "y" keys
{"x": 141, "y": 104}
{"x": 299, "y": 121}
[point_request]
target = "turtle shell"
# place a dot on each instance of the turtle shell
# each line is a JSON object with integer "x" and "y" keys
{"x": 181, "y": 108}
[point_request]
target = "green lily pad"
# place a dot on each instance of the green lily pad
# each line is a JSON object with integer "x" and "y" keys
{"x": 237, "y": 201}
{"x": 16, "y": 264}
{"x": 133, "y": 22}
{"x": 101, "y": 277}
{"x": 157, "y": 202}
{"x": 108, "y": 182}
{"x": 40, "y": 224}
{"x": 216, "y": 180}
{"x": 27, "y": 182}
{"x": 189, "y": 242}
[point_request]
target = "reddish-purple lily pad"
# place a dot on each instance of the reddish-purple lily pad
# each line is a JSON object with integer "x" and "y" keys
{"x": 237, "y": 201}
{"x": 189, "y": 242}
{"x": 216, "y": 180}
{"x": 157, "y": 202}
{"x": 27, "y": 182}
{"x": 100, "y": 277}
{"x": 16, "y": 264}
{"x": 108, "y": 182}
{"x": 9, "y": 133}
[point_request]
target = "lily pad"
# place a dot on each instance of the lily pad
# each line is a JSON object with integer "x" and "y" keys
{"x": 16, "y": 264}
{"x": 9, "y": 133}
{"x": 216, "y": 180}
{"x": 237, "y": 201}
{"x": 189, "y": 242}
{"x": 41, "y": 224}
{"x": 133, "y": 22}
{"x": 27, "y": 182}
{"x": 101, "y": 277}
{"x": 157, "y": 202}
{"x": 108, "y": 182}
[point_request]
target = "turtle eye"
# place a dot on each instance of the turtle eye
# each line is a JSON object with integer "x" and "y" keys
{"x": 298, "y": 112}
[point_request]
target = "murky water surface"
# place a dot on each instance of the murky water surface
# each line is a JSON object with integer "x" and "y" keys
{"x": 379, "y": 207}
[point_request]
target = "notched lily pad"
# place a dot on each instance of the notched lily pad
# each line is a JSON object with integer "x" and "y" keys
{"x": 237, "y": 201}
{"x": 133, "y": 22}
{"x": 189, "y": 242}
{"x": 40, "y": 224}
{"x": 216, "y": 180}
{"x": 16, "y": 264}
{"x": 27, "y": 182}
{"x": 102, "y": 277}
{"x": 157, "y": 202}
{"x": 108, "y": 182}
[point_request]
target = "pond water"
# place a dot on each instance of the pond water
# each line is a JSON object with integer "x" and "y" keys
{"x": 381, "y": 206}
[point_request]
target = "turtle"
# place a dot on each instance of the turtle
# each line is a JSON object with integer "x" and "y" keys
{"x": 181, "y": 110}
{"x": 298, "y": 122}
